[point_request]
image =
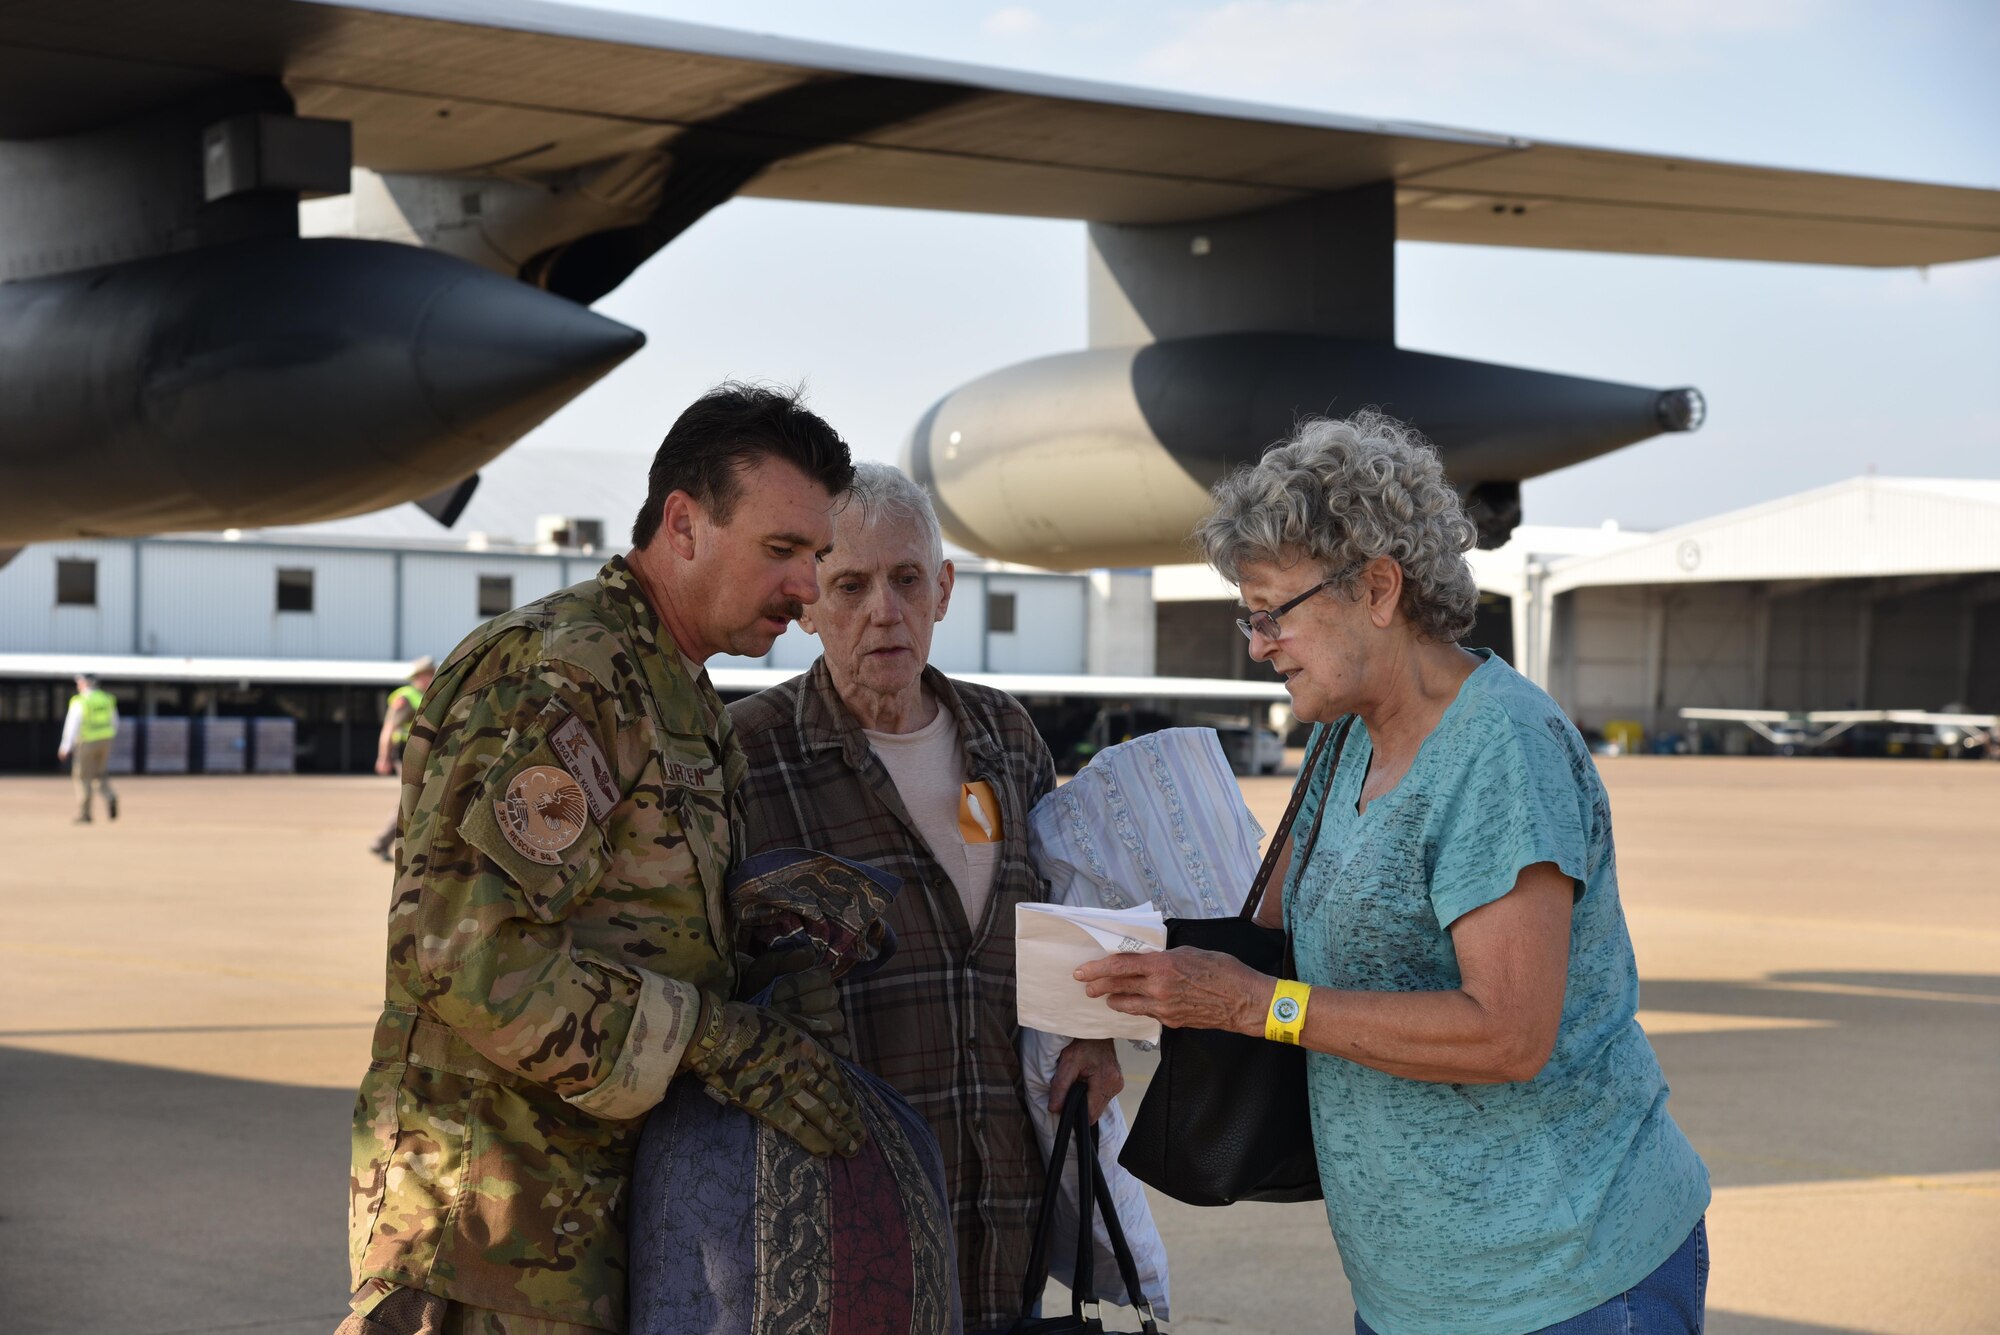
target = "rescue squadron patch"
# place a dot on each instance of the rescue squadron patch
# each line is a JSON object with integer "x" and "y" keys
{"x": 543, "y": 813}
{"x": 579, "y": 754}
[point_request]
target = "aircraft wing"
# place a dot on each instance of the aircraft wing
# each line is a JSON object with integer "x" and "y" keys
{"x": 1742, "y": 716}
{"x": 1849, "y": 716}
{"x": 517, "y": 88}
{"x": 1921, "y": 717}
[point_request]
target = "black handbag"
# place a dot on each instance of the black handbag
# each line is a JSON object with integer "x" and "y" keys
{"x": 1226, "y": 1117}
{"x": 1093, "y": 1195}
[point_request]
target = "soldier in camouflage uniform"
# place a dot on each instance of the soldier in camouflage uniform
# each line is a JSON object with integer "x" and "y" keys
{"x": 557, "y": 948}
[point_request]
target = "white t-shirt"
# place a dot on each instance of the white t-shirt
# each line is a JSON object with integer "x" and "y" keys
{"x": 928, "y": 770}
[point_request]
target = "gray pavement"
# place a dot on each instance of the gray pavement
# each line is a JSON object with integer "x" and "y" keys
{"x": 187, "y": 995}
{"x": 155, "y": 1202}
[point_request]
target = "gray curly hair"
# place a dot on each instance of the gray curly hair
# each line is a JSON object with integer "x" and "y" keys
{"x": 1340, "y": 494}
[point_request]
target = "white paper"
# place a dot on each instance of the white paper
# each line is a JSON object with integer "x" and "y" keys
{"x": 1051, "y": 941}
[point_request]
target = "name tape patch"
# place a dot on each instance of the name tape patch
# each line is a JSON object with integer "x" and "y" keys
{"x": 686, "y": 776}
{"x": 579, "y": 753}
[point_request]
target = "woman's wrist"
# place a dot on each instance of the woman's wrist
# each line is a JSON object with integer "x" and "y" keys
{"x": 1286, "y": 1021}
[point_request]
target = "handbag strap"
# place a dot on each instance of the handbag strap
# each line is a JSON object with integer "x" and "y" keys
{"x": 1093, "y": 1198}
{"x": 1128, "y": 1269}
{"x": 1290, "y": 967}
{"x": 1339, "y": 739}
{"x": 1083, "y": 1276}
{"x": 1325, "y": 798}
{"x": 1036, "y": 1277}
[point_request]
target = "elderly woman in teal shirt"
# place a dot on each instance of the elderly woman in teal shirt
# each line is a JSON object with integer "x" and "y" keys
{"x": 1491, "y": 1123}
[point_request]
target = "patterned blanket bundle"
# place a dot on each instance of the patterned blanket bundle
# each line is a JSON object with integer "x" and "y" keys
{"x": 735, "y": 1229}
{"x": 1157, "y": 819}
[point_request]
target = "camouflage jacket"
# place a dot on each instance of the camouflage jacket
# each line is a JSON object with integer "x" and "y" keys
{"x": 570, "y": 804}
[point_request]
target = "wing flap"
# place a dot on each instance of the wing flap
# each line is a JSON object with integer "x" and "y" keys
{"x": 1173, "y": 145}
{"x": 1562, "y": 171}
{"x": 403, "y": 132}
{"x": 1567, "y": 198}
{"x": 1642, "y": 229}
{"x": 898, "y": 178}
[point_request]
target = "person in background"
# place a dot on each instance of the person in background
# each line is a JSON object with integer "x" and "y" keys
{"x": 875, "y": 755}
{"x": 404, "y": 703}
{"x": 88, "y": 728}
{"x": 1491, "y": 1122}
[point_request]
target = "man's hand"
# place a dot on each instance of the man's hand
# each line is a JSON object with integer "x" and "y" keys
{"x": 802, "y": 990}
{"x": 757, "y": 1060}
{"x": 384, "y": 765}
{"x": 754, "y": 973}
{"x": 62, "y": 757}
{"x": 811, "y": 1000}
{"x": 1094, "y": 1060}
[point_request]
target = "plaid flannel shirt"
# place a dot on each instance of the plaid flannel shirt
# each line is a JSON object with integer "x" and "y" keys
{"x": 938, "y": 1021}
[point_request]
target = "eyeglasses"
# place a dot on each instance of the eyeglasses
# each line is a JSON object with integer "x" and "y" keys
{"x": 1266, "y": 623}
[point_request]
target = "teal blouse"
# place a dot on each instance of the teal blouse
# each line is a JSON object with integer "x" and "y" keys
{"x": 1485, "y": 1209}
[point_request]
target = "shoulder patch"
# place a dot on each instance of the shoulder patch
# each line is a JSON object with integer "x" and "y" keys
{"x": 542, "y": 813}
{"x": 581, "y": 756}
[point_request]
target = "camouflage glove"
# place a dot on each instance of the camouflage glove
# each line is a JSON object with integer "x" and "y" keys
{"x": 755, "y": 1059}
{"x": 754, "y": 973}
{"x": 811, "y": 1001}
{"x": 802, "y": 990}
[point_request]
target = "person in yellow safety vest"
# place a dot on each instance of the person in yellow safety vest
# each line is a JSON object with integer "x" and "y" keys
{"x": 404, "y": 702}
{"x": 88, "y": 728}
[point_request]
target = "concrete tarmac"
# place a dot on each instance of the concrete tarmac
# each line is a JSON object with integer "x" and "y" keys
{"x": 188, "y": 994}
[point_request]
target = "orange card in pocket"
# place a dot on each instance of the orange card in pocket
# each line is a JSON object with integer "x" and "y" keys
{"x": 978, "y": 813}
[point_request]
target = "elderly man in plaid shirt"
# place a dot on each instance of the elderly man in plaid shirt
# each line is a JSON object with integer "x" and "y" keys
{"x": 875, "y": 755}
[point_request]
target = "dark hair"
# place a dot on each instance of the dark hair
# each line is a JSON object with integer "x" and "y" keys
{"x": 726, "y": 431}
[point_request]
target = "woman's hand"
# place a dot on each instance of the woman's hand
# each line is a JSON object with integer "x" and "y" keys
{"x": 1183, "y": 988}
{"x": 1499, "y": 1025}
{"x": 1094, "y": 1060}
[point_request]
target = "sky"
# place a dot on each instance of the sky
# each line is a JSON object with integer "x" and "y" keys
{"x": 1812, "y": 374}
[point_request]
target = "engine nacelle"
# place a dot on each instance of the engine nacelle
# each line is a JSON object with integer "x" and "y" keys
{"x": 1106, "y": 457}
{"x": 271, "y": 382}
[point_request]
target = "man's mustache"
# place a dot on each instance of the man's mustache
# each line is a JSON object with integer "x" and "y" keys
{"x": 789, "y": 609}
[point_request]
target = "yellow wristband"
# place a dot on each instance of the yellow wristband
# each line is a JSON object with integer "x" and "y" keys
{"x": 1285, "y": 1022}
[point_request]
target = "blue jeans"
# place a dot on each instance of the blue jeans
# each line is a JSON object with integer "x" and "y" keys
{"x": 1670, "y": 1301}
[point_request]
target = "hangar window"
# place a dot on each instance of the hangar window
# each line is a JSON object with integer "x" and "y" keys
{"x": 295, "y": 590}
{"x": 496, "y": 594}
{"x": 76, "y": 583}
{"x": 1000, "y": 613}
